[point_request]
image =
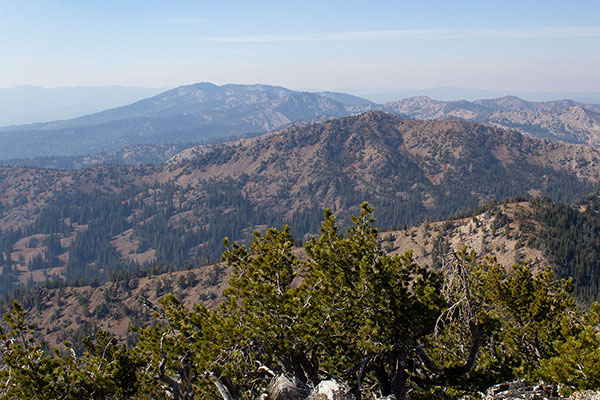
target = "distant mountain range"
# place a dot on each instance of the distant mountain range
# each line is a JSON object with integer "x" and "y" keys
{"x": 193, "y": 113}
{"x": 448, "y": 93}
{"x": 563, "y": 120}
{"x": 206, "y": 112}
{"x": 415, "y": 160}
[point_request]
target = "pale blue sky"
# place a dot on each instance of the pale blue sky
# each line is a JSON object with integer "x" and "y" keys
{"x": 502, "y": 45}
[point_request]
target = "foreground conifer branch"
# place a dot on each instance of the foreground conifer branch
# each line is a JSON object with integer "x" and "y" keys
{"x": 346, "y": 314}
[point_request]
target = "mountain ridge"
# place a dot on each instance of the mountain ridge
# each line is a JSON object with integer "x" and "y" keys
{"x": 563, "y": 120}
{"x": 191, "y": 113}
{"x": 55, "y": 222}
{"x": 204, "y": 111}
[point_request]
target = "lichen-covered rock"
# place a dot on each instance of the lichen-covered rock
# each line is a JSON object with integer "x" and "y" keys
{"x": 519, "y": 390}
{"x": 331, "y": 390}
{"x": 585, "y": 395}
{"x": 282, "y": 387}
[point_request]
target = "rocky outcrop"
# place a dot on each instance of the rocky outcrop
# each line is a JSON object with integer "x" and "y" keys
{"x": 519, "y": 390}
{"x": 330, "y": 390}
{"x": 585, "y": 395}
{"x": 286, "y": 388}
{"x": 282, "y": 387}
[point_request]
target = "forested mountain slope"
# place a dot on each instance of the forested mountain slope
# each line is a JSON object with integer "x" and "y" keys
{"x": 539, "y": 232}
{"x": 381, "y": 325}
{"x": 90, "y": 224}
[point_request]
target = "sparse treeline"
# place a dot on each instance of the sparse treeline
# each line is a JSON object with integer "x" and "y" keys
{"x": 148, "y": 218}
{"x": 94, "y": 220}
{"x": 380, "y": 324}
{"x": 571, "y": 240}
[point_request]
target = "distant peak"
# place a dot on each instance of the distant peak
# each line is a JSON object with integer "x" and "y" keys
{"x": 421, "y": 98}
{"x": 200, "y": 85}
{"x": 511, "y": 98}
{"x": 508, "y": 102}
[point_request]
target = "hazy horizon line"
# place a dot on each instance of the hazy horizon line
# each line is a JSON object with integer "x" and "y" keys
{"x": 426, "y": 34}
{"x": 371, "y": 89}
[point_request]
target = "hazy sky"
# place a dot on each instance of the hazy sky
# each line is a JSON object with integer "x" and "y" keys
{"x": 502, "y": 45}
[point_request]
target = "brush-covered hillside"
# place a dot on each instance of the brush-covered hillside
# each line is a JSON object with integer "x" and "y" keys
{"x": 539, "y": 232}
{"x": 287, "y": 316}
{"x": 92, "y": 223}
